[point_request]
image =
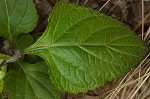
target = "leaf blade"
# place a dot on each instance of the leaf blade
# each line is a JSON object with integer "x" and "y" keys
{"x": 17, "y": 16}
{"x": 23, "y": 41}
{"x": 84, "y": 52}
{"x": 30, "y": 82}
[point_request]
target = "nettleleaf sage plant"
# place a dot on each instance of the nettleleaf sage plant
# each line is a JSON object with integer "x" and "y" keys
{"x": 81, "y": 48}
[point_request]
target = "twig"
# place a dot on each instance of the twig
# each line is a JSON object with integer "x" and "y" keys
{"x": 15, "y": 57}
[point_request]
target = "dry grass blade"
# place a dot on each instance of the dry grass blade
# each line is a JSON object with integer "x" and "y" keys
{"x": 77, "y": 1}
{"x": 141, "y": 21}
{"x": 139, "y": 83}
{"x": 140, "y": 86}
{"x": 85, "y": 2}
{"x": 104, "y": 5}
{"x": 113, "y": 7}
{"x": 116, "y": 89}
{"x": 146, "y": 37}
{"x": 129, "y": 86}
{"x": 142, "y": 18}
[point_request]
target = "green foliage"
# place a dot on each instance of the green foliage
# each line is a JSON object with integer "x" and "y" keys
{"x": 3, "y": 70}
{"x": 30, "y": 81}
{"x": 1, "y": 84}
{"x": 16, "y": 17}
{"x": 148, "y": 42}
{"x": 3, "y": 57}
{"x": 23, "y": 41}
{"x": 84, "y": 49}
{"x": 2, "y": 75}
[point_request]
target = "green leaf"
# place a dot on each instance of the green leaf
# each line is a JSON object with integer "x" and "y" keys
{"x": 23, "y": 41}
{"x": 1, "y": 86}
{"x": 30, "y": 81}
{"x": 2, "y": 72}
{"x": 3, "y": 57}
{"x": 148, "y": 42}
{"x": 2, "y": 75}
{"x": 84, "y": 48}
{"x": 16, "y": 17}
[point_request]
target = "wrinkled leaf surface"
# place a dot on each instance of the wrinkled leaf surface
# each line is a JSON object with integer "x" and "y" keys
{"x": 84, "y": 48}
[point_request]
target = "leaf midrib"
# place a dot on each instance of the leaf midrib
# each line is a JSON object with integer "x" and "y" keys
{"x": 21, "y": 68}
{"x": 51, "y": 46}
{"x": 8, "y": 27}
{"x": 40, "y": 83}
